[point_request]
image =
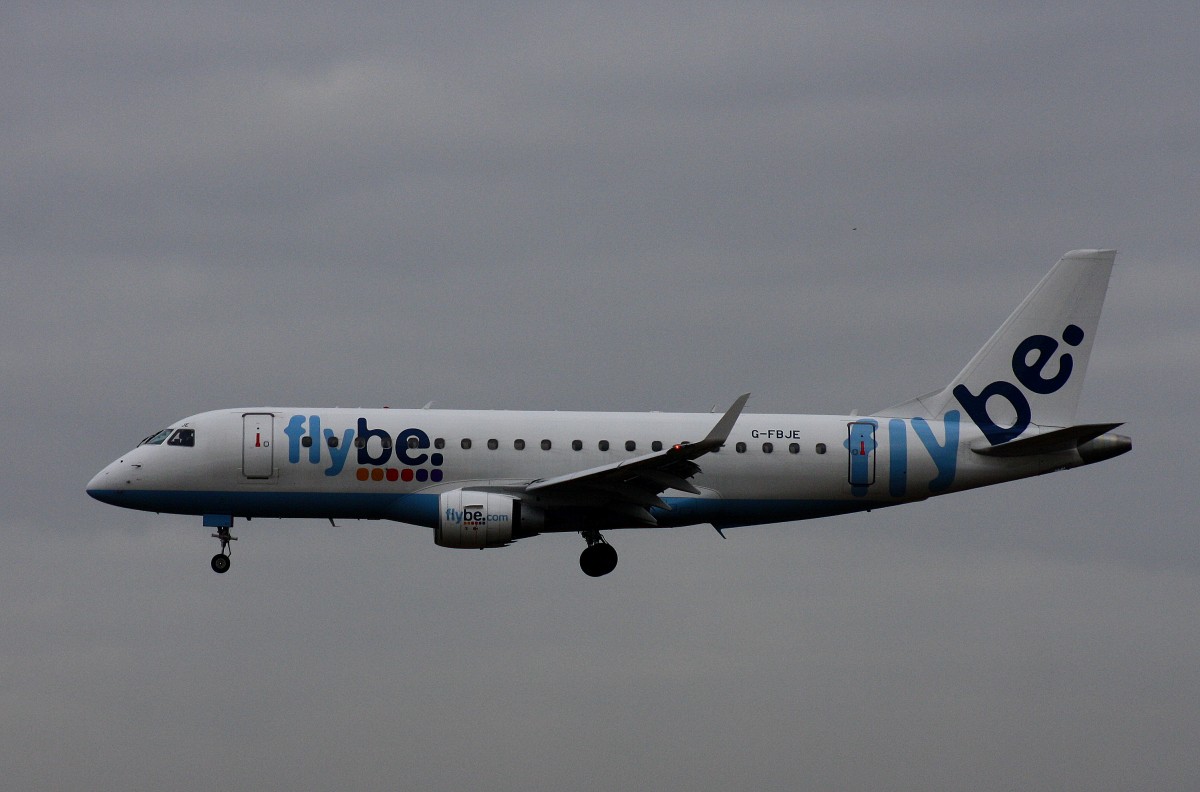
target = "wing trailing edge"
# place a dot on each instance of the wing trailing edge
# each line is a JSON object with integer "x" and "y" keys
{"x": 631, "y": 487}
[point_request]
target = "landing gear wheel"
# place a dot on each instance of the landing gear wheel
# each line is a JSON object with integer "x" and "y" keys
{"x": 220, "y": 562}
{"x": 598, "y": 560}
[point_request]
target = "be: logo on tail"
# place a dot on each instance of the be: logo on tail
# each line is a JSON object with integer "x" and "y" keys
{"x": 1028, "y": 373}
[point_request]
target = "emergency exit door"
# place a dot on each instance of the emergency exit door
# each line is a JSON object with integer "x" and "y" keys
{"x": 862, "y": 453}
{"x": 258, "y": 460}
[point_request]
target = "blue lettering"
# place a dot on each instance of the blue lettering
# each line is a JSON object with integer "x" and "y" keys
{"x": 308, "y": 432}
{"x": 1030, "y": 374}
{"x": 945, "y": 456}
{"x": 898, "y": 442}
{"x": 402, "y": 449}
{"x": 294, "y": 430}
{"x": 314, "y": 432}
{"x": 338, "y": 453}
{"x": 364, "y": 438}
{"x": 976, "y": 407}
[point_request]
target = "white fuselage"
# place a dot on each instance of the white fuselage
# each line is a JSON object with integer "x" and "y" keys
{"x": 392, "y": 464}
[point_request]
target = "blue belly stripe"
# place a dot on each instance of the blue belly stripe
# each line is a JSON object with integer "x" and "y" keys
{"x": 422, "y": 508}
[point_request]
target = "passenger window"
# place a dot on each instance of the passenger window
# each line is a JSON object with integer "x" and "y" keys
{"x": 466, "y": 443}
{"x": 412, "y": 442}
{"x": 519, "y": 444}
{"x": 386, "y": 441}
{"x": 576, "y": 445}
{"x": 333, "y": 441}
{"x": 545, "y": 445}
{"x": 439, "y": 443}
{"x": 306, "y": 441}
{"x": 184, "y": 437}
{"x": 656, "y": 445}
{"x": 360, "y": 442}
{"x": 820, "y": 448}
{"x": 493, "y": 445}
{"x": 603, "y": 445}
{"x": 793, "y": 448}
{"x": 740, "y": 448}
{"x": 630, "y": 445}
{"x": 768, "y": 448}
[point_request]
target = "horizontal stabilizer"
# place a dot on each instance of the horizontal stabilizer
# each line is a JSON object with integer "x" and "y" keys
{"x": 1068, "y": 439}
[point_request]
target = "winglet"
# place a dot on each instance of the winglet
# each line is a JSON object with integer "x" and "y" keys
{"x": 720, "y": 433}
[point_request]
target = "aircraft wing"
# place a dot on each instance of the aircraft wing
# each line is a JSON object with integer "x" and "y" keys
{"x": 632, "y": 487}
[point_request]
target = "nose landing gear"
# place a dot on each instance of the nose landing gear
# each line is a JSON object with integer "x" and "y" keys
{"x": 598, "y": 558}
{"x": 220, "y": 562}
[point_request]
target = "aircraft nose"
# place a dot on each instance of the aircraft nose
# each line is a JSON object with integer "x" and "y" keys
{"x": 107, "y": 484}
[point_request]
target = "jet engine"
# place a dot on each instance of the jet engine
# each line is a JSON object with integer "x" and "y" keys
{"x": 470, "y": 518}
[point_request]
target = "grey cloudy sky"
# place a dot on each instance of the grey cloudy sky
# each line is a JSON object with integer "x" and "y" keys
{"x": 593, "y": 206}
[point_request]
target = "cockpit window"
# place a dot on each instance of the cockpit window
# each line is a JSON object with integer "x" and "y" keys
{"x": 156, "y": 439}
{"x": 183, "y": 437}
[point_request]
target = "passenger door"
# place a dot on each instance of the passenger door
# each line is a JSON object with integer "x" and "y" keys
{"x": 258, "y": 458}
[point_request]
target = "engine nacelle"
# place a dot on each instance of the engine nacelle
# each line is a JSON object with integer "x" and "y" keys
{"x": 470, "y": 518}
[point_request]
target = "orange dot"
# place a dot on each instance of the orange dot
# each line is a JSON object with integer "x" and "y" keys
{"x": 377, "y": 474}
{"x": 363, "y": 474}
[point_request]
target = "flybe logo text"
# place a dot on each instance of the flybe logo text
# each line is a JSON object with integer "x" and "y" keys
{"x": 473, "y": 517}
{"x": 309, "y": 440}
{"x": 1028, "y": 364}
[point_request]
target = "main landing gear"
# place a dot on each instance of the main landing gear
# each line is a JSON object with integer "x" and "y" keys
{"x": 220, "y": 562}
{"x": 598, "y": 558}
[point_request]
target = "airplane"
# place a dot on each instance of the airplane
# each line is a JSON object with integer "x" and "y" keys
{"x": 482, "y": 479}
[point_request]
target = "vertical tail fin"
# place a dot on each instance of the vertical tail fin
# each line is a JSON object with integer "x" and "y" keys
{"x": 1032, "y": 368}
